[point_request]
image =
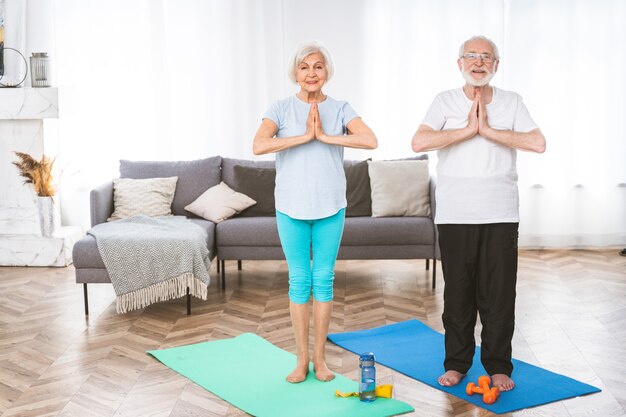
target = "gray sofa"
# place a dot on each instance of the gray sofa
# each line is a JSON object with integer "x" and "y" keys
{"x": 252, "y": 234}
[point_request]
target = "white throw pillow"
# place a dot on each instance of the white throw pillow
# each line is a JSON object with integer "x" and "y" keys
{"x": 219, "y": 203}
{"x": 150, "y": 197}
{"x": 400, "y": 188}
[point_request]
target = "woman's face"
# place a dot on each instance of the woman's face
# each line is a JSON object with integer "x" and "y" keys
{"x": 311, "y": 73}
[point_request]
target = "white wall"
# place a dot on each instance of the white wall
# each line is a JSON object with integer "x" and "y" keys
{"x": 185, "y": 79}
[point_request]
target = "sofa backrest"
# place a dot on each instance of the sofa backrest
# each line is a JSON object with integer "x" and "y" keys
{"x": 256, "y": 179}
{"x": 253, "y": 178}
{"x": 194, "y": 177}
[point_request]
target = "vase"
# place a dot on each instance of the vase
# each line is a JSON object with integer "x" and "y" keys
{"x": 45, "y": 205}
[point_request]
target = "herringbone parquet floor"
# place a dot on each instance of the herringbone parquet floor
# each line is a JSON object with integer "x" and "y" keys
{"x": 571, "y": 319}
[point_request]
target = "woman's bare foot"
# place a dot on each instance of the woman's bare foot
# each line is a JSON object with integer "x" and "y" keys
{"x": 502, "y": 382}
{"x": 450, "y": 378}
{"x": 322, "y": 372}
{"x": 299, "y": 373}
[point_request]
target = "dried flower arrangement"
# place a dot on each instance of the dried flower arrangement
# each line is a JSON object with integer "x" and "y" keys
{"x": 38, "y": 173}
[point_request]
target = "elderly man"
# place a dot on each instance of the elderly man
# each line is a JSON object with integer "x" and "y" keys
{"x": 477, "y": 130}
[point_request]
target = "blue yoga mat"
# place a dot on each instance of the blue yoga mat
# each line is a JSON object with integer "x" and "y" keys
{"x": 416, "y": 350}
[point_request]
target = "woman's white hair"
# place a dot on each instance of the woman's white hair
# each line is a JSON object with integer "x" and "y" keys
{"x": 305, "y": 50}
{"x": 496, "y": 54}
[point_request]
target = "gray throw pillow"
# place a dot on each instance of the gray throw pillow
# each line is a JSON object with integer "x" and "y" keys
{"x": 258, "y": 184}
{"x": 358, "y": 189}
{"x": 194, "y": 177}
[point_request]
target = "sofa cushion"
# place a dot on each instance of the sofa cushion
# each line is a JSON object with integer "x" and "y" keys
{"x": 358, "y": 190}
{"x": 219, "y": 202}
{"x": 358, "y": 231}
{"x": 380, "y": 231}
{"x": 400, "y": 188}
{"x": 194, "y": 177}
{"x": 258, "y": 184}
{"x": 148, "y": 196}
{"x": 247, "y": 231}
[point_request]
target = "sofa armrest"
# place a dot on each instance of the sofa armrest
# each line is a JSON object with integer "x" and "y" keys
{"x": 433, "y": 210}
{"x": 101, "y": 203}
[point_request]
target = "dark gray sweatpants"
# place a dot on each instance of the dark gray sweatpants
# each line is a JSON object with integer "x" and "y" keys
{"x": 479, "y": 263}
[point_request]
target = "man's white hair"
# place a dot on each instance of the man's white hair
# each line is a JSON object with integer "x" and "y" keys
{"x": 496, "y": 54}
{"x": 305, "y": 50}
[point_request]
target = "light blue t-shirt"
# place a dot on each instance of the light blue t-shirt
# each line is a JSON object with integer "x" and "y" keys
{"x": 310, "y": 180}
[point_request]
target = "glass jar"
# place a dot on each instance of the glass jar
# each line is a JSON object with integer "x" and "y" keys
{"x": 40, "y": 69}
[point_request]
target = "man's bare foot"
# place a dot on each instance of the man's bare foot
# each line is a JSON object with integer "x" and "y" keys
{"x": 502, "y": 382}
{"x": 299, "y": 373}
{"x": 322, "y": 372}
{"x": 450, "y": 378}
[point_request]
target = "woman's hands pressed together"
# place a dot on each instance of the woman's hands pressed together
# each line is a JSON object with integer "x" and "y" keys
{"x": 311, "y": 121}
{"x": 315, "y": 122}
{"x": 359, "y": 134}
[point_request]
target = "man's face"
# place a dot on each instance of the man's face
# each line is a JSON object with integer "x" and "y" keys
{"x": 478, "y": 64}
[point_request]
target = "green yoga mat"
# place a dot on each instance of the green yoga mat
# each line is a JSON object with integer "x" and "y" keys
{"x": 249, "y": 372}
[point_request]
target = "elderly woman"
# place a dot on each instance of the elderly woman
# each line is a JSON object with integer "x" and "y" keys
{"x": 308, "y": 131}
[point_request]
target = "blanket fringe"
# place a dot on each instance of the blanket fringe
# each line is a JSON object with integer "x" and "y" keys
{"x": 162, "y": 291}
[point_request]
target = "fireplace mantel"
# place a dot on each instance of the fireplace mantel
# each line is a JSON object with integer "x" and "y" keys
{"x": 22, "y": 114}
{"x": 29, "y": 103}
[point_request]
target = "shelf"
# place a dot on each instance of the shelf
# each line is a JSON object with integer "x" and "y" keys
{"x": 29, "y": 103}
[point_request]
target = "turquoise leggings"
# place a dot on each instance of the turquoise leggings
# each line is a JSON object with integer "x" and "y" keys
{"x": 298, "y": 238}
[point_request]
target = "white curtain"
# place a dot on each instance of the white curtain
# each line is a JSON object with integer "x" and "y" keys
{"x": 187, "y": 79}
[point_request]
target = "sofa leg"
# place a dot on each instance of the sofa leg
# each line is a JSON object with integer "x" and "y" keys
{"x": 427, "y": 264}
{"x": 86, "y": 298}
{"x": 434, "y": 272}
{"x": 239, "y": 264}
{"x": 223, "y": 274}
{"x": 188, "y": 302}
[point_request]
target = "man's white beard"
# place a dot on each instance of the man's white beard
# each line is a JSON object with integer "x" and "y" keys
{"x": 475, "y": 82}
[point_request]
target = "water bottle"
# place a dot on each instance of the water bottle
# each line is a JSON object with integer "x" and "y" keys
{"x": 367, "y": 385}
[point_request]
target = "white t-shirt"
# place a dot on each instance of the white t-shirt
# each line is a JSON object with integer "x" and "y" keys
{"x": 477, "y": 178}
{"x": 310, "y": 180}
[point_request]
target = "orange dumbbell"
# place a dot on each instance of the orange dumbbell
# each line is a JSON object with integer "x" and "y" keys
{"x": 490, "y": 394}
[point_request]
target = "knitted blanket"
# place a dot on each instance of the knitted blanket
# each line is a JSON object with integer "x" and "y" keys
{"x": 153, "y": 259}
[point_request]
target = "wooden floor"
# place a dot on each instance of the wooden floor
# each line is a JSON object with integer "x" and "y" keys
{"x": 571, "y": 319}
